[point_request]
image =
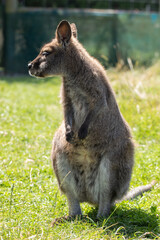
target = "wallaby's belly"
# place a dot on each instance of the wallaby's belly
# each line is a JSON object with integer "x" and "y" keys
{"x": 78, "y": 169}
{"x": 85, "y": 172}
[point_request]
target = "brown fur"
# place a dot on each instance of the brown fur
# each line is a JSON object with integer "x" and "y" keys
{"x": 93, "y": 151}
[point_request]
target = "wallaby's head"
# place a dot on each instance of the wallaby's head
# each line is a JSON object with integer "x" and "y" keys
{"x": 53, "y": 56}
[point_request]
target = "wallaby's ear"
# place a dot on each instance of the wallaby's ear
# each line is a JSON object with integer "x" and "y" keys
{"x": 64, "y": 33}
{"x": 74, "y": 30}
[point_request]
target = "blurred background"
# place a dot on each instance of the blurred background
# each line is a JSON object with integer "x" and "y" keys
{"x": 123, "y": 32}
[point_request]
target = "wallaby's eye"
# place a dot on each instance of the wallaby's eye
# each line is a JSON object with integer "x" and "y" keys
{"x": 45, "y": 53}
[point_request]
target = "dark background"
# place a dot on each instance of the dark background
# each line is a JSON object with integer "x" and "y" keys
{"x": 113, "y": 31}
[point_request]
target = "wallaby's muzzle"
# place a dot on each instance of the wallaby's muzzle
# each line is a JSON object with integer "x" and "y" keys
{"x": 29, "y": 65}
{"x": 34, "y": 69}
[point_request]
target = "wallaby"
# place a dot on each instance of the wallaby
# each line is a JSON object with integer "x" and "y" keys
{"x": 93, "y": 150}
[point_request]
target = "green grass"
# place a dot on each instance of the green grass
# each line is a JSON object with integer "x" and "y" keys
{"x": 30, "y": 113}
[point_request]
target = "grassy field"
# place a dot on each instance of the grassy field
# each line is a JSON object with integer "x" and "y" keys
{"x": 30, "y": 113}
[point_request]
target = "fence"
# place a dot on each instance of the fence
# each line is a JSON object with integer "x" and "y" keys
{"x": 142, "y": 5}
{"x": 109, "y": 35}
{"x": 1, "y": 36}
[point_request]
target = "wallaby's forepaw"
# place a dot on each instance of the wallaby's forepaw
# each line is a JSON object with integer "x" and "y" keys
{"x": 69, "y": 136}
{"x": 83, "y": 131}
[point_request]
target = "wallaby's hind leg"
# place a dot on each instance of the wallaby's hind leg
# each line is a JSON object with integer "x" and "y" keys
{"x": 104, "y": 203}
{"x": 104, "y": 208}
{"x": 114, "y": 178}
{"x": 66, "y": 182}
{"x": 74, "y": 205}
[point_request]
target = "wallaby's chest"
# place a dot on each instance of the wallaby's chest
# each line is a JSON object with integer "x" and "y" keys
{"x": 80, "y": 105}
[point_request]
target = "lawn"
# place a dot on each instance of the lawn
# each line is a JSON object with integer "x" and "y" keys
{"x": 30, "y": 113}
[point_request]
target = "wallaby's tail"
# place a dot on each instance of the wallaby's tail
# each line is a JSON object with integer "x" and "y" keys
{"x": 138, "y": 191}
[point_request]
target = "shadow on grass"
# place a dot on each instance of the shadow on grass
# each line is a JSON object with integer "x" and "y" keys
{"x": 28, "y": 79}
{"x": 130, "y": 223}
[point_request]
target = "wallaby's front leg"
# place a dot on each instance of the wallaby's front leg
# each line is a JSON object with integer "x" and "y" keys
{"x": 83, "y": 131}
{"x": 68, "y": 116}
{"x": 68, "y": 113}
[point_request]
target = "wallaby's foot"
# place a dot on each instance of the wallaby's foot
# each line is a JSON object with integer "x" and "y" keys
{"x": 63, "y": 219}
{"x": 104, "y": 214}
{"x": 104, "y": 209}
{"x": 83, "y": 131}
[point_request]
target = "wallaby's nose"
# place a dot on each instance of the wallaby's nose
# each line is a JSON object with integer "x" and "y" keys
{"x": 29, "y": 65}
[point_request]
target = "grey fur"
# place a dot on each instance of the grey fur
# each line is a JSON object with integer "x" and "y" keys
{"x": 93, "y": 151}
